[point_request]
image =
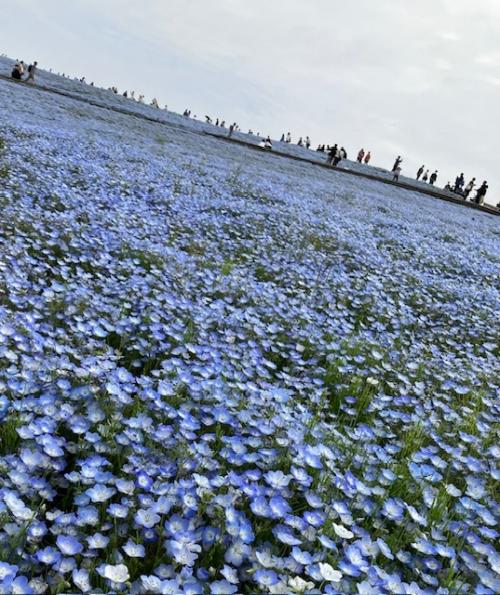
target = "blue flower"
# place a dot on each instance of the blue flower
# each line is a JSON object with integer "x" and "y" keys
{"x": 69, "y": 545}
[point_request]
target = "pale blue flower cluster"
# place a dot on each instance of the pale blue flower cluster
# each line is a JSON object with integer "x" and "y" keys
{"x": 222, "y": 373}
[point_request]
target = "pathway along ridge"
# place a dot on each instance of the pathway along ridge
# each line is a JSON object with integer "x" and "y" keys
{"x": 435, "y": 192}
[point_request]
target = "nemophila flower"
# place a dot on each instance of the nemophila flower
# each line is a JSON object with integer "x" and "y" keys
{"x": 277, "y": 479}
{"x": 393, "y": 509}
{"x": 134, "y": 550}
{"x": 100, "y": 493}
{"x": 285, "y": 535}
{"x": 143, "y": 481}
{"x": 97, "y": 541}
{"x": 222, "y": 588}
{"x": 69, "y": 545}
{"x": 342, "y": 532}
{"x": 230, "y": 574}
{"x": 81, "y": 579}
{"x": 299, "y": 585}
{"x": 118, "y": 511}
{"x": 8, "y": 571}
{"x": 329, "y": 573}
{"x": 17, "y": 507}
{"x": 237, "y": 553}
{"x": 266, "y": 578}
{"x": 48, "y": 555}
{"x": 117, "y": 573}
{"x": 147, "y": 518}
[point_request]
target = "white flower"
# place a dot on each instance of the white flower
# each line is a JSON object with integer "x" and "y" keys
{"x": 299, "y": 585}
{"x": 117, "y": 573}
{"x": 342, "y": 532}
{"x": 81, "y": 579}
{"x": 329, "y": 573}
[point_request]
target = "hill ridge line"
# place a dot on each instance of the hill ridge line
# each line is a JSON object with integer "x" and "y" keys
{"x": 436, "y": 193}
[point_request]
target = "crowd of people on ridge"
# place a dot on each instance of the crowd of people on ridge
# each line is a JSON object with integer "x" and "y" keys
{"x": 334, "y": 153}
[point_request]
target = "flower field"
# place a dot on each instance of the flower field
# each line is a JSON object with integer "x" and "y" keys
{"x": 223, "y": 372}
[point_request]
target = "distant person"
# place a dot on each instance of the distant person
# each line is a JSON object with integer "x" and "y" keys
{"x": 17, "y": 72}
{"x": 217, "y": 121}
{"x": 420, "y": 172}
{"x": 448, "y": 187}
{"x": 232, "y": 128}
{"x": 208, "y": 119}
{"x": 343, "y": 153}
{"x": 397, "y": 163}
{"x": 361, "y": 155}
{"x": 481, "y": 193}
{"x": 125, "y": 94}
{"x": 368, "y": 156}
{"x": 301, "y": 142}
{"x": 332, "y": 154}
{"x": 308, "y": 142}
{"x": 425, "y": 176}
{"x": 468, "y": 189}
{"x": 396, "y": 174}
{"x": 32, "y": 68}
{"x": 288, "y": 138}
{"x": 282, "y": 139}
{"x": 459, "y": 183}
{"x": 266, "y": 144}
{"x": 433, "y": 178}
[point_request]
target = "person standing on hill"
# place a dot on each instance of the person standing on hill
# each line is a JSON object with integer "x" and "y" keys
{"x": 433, "y": 178}
{"x": 397, "y": 163}
{"x": 368, "y": 156}
{"x": 301, "y": 142}
{"x": 481, "y": 193}
{"x": 420, "y": 172}
{"x": 288, "y": 138}
{"x": 308, "y": 142}
{"x": 361, "y": 154}
{"x": 282, "y": 139}
{"x": 32, "y": 68}
{"x": 468, "y": 189}
{"x": 459, "y": 183}
{"x": 396, "y": 172}
{"x": 426, "y": 176}
{"x": 332, "y": 153}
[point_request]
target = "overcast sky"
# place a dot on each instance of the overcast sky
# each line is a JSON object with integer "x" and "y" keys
{"x": 416, "y": 78}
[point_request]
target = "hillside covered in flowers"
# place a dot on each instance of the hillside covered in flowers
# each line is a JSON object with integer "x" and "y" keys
{"x": 225, "y": 372}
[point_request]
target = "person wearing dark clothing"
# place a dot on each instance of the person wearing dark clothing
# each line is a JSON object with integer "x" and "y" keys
{"x": 361, "y": 155}
{"x": 420, "y": 172}
{"x": 332, "y": 154}
{"x": 17, "y": 71}
{"x": 32, "y": 69}
{"x": 433, "y": 178}
{"x": 481, "y": 193}
{"x": 282, "y": 139}
{"x": 426, "y": 176}
{"x": 343, "y": 153}
{"x": 459, "y": 183}
{"x": 397, "y": 163}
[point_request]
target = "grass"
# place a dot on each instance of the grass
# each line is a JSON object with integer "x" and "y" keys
{"x": 9, "y": 438}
